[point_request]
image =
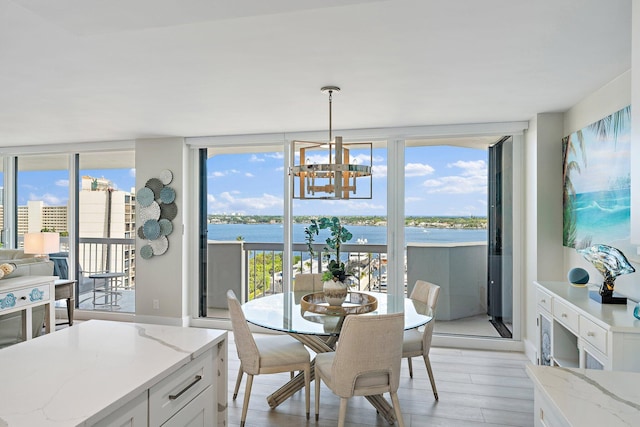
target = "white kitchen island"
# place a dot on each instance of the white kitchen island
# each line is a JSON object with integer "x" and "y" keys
{"x": 106, "y": 373}
{"x": 566, "y": 397}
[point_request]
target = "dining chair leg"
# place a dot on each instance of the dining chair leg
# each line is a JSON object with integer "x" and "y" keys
{"x": 396, "y": 407}
{"x": 410, "y": 367}
{"x": 342, "y": 415}
{"x": 427, "y": 363}
{"x": 247, "y": 394}
{"x": 317, "y": 381}
{"x": 307, "y": 387}
{"x": 238, "y": 381}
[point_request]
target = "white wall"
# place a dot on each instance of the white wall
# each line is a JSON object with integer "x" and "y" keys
{"x": 543, "y": 218}
{"x": 163, "y": 278}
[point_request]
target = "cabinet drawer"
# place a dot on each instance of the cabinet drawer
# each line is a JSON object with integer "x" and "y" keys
{"x": 23, "y": 297}
{"x": 566, "y": 315}
{"x": 544, "y": 300}
{"x": 593, "y": 334}
{"x": 174, "y": 392}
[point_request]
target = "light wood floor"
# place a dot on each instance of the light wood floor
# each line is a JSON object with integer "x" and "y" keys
{"x": 476, "y": 388}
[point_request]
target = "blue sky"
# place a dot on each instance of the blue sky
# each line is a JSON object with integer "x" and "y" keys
{"x": 440, "y": 180}
{"x": 52, "y": 186}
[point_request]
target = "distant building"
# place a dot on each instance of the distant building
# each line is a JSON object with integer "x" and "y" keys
{"x": 104, "y": 213}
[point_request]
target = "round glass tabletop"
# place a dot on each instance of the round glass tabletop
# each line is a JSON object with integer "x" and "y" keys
{"x": 283, "y": 312}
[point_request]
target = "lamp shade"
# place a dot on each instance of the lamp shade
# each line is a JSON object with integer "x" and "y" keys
{"x": 41, "y": 243}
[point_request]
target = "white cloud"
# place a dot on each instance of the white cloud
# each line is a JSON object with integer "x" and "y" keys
{"x": 379, "y": 171}
{"x": 276, "y": 155}
{"x": 216, "y": 174}
{"x": 62, "y": 183}
{"x": 249, "y": 175}
{"x": 132, "y": 172}
{"x": 229, "y": 202}
{"x": 475, "y": 167}
{"x": 413, "y": 199}
{"x": 418, "y": 169}
{"x": 48, "y": 199}
{"x": 255, "y": 158}
{"x": 472, "y": 179}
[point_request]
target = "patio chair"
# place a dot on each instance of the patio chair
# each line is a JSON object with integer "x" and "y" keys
{"x": 365, "y": 363}
{"x": 84, "y": 284}
{"x": 416, "y": 342}
{"x": 265, "y": 355}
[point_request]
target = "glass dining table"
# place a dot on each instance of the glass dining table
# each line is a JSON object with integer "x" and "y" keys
{"x": 320, "y": 332}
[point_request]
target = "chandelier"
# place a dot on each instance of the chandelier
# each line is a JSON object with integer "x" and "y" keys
{"x": 330, "y": 170}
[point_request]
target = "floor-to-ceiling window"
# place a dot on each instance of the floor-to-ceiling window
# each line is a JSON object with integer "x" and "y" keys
{"x": 244, "y": 223}
{"x": 458, "y": 222}
{"x": 106, "y": 231}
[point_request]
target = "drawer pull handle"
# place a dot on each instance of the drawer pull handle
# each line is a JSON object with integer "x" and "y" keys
{"x": 591, "y": 334}
{"x": 195, "y": 380}
{"x": 543, "y": 300}
{"x": 23, "y": 298}
{"x": 564, "y": 314}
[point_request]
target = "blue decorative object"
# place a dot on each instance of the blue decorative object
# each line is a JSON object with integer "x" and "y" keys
{"x": 36, "y": 295}
{"x": 151, "y": 229}
{"x": 611, "y": 263}
{"x": 578, "y": 276}
{"x": 8, "y": 301}
{"x": 167, "y": 195}
{"x": 145, "y": 196}
{"x": 636, "y": 311}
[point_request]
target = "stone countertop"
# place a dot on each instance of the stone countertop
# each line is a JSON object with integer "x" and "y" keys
{"x": 588, "y": 397}
{"x": 80, "y": 374}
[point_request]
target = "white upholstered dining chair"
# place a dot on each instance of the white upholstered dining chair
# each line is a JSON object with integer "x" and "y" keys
{"x": 265, "y": 355}
{"x": 416, "y": 342}
{"x": 366, "y": 361}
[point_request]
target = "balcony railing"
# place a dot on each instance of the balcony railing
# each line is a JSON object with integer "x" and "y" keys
{"x": 365, "y": 263}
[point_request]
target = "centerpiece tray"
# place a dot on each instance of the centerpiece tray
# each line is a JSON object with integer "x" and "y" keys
{"x": 356, "y": 303}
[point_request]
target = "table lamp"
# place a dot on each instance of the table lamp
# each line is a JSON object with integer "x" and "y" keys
{"x": 41, "y": 244}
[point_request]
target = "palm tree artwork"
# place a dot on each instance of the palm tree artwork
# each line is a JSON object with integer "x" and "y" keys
{"x": 596, "y": 182}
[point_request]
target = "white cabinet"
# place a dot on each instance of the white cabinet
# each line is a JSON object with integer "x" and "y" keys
{"x": 577, "y": 332}
{"x": 133, "y": 414}
{"x": 116, "y": 374}
{"x": 23, "y": 293}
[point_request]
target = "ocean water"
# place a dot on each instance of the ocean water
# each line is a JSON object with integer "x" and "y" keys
{"x": 603, "y": 216}
{"x": 273, "y": 233}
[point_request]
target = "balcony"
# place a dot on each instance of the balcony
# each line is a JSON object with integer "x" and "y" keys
{"x": 101, "y": 255}
{"x": 254, "y": 270}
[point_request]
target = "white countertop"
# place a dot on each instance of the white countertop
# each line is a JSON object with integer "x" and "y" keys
{"x": 617, "y": 317}
{"x": 84, "y": 372}
{"x": 588, "y": 397}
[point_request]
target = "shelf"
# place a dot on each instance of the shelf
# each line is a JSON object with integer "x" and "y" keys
{"x": 567, "y": 363}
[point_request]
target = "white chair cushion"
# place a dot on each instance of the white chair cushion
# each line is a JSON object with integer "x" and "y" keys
{"x": 281, "y": 350}
{"x": 412, "y": 341}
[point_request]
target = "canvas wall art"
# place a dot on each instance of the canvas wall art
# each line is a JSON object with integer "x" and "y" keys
{"x": 597, "y": 184}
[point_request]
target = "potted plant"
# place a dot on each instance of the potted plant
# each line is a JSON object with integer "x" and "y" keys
{"x": 334, "y": 287}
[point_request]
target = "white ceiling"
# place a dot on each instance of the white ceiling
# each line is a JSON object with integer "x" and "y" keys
{"x": 95, "y": 70}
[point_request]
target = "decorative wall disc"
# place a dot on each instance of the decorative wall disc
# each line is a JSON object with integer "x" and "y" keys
{"x": 156, "y": 185}
{"x": 151, "y": 229}
{"x": 167, "y": 195}
{"x": 166, "y": 176}
{"x": 156, "y": 208}
{"x": 166, "y": 227}
{"x": 146, "y": 252}
{"x": 168, "y": 211}
{"x": 150, "y": 212}
{"x": 160, "y": 245}
{"x": 145, "y": 196}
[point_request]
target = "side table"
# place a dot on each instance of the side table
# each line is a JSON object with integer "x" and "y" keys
{"x": 109, "y": 288}
{"x": 64, "y": 290}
